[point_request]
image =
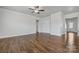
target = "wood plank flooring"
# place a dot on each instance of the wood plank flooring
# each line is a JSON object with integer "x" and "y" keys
{"x": 41, "y": 43}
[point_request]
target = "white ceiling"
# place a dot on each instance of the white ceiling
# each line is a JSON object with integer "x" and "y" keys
{"x": 48, "y": 10}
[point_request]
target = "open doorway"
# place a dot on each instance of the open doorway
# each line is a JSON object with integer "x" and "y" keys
{"x": 71, "y": 31}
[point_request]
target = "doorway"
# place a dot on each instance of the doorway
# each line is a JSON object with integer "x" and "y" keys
{"x": 71, "y": 32}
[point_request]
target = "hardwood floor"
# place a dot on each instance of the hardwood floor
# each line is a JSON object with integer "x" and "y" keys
{"x": 42, "y": 43}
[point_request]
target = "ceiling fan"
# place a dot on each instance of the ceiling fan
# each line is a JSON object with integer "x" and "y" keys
{"x": 36, "y": 9}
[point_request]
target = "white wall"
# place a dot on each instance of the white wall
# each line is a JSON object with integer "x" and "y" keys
{"x": 44, "y": 24}
{"x": 71, "y": 15}
{"x": 57, "y": 21}
{"x": 15, "y": 23}
{"x": 52, "y": 24}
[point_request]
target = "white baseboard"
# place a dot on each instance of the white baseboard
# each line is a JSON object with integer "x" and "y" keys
{"x": 52, "y": 33}
{"x": 7, "y": 36}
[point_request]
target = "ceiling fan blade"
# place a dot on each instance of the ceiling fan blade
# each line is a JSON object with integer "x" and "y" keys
{"x": 31, "y": 9}
{"x": 41, "y": 10}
